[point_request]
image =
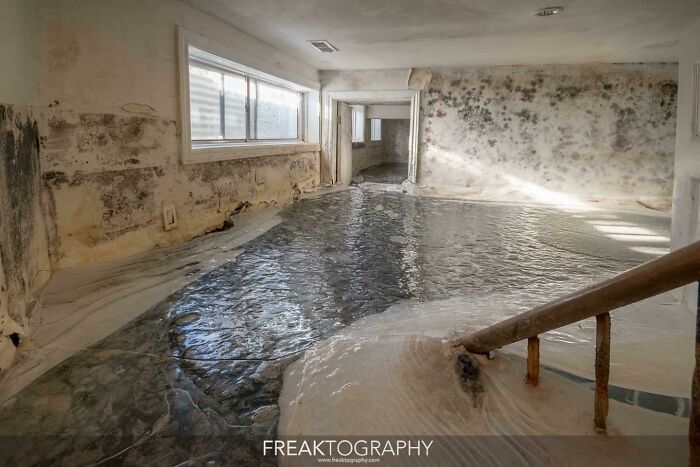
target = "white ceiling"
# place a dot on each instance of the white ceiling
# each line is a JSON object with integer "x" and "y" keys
{"x": 376, "y": 34}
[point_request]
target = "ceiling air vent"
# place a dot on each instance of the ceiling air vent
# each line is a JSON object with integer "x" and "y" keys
{"x": 549, "y": 11}
{"x": 324, "y": 46}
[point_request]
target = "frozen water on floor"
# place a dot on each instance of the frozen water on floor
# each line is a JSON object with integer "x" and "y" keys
{"x": 198, "y": 376}
{"x": 386, "y": 172}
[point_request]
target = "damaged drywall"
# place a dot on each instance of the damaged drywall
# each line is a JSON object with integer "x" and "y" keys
{"x": 602, "y": 131}
{"x": 110, "y": 136}
{"x": 24, "y": 263}
{"x": 107, "y": 177}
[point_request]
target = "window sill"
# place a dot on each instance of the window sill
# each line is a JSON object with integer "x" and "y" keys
{"x": 199, "y": 154}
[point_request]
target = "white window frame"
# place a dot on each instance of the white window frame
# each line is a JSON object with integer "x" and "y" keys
{"x": 358, "y": 123}
{"x": 224, "y": 58}
{"x": 250, "y": 82}
{"x": 372, "y": 135}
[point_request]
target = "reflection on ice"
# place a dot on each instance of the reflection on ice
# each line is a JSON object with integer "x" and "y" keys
{"x": 202, "y": 371}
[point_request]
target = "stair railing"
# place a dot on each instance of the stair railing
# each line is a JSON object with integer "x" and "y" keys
{"x": 668, "y": 272}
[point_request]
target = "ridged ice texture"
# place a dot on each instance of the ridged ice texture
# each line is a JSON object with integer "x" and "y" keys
{"x": 198, "y": 376}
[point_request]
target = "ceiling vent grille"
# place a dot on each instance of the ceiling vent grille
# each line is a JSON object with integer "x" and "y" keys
{"x": 323, "y": 46}
{"x": 549, "y": 11}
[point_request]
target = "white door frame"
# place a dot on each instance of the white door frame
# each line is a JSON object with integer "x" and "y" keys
{"x": 372, "y": 97}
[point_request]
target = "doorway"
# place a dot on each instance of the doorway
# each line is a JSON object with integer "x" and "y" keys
{"x": 393, "y": 164}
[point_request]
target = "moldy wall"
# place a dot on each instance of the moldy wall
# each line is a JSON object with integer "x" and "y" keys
{"x": 598, "y": 131}
{"x": 89, "y": 142}
{"x": 24, "y": 261}
{"x": 110, "y": 160}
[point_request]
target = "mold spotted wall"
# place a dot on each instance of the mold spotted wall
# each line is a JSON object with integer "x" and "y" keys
{"x": 395, "y": 135}
{"x": 603, "y": 131}
{"x": 106, "y": 178}
{"x": 367, "y": 153}
{"x": 24, "y": 263}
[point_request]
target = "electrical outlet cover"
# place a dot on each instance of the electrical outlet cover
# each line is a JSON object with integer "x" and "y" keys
{"x": 169, "y": 217}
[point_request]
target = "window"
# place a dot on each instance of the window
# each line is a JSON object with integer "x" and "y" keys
{"x": 358, "y": 123}
{"x": 229, "y": 106}
{"x": 233, "y": 105}
{"x": 375, "y": 133}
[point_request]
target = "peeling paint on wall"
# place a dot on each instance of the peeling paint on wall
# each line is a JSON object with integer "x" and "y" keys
{"x": 603, "y": 131}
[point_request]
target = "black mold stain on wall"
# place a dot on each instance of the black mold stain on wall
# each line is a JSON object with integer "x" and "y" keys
{"x": 596, "y": 130}
{"x": 128, "y": 168}
{"x": 19, "y": 196}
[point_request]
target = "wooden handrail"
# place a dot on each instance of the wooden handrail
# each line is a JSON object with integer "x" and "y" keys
{"x": 659, "y": 275}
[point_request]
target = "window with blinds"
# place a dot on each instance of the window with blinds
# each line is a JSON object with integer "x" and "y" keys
{"x": 375, "y": 133}
{"x": 226, "y": 105}
{"x": 358, "y": 123}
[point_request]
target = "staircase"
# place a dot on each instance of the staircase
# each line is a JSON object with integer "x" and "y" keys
{"x": 660, "y": 275}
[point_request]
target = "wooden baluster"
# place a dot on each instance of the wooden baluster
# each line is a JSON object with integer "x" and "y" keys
{"x": 602, "y": 371}
{"x": 533, "y": 361}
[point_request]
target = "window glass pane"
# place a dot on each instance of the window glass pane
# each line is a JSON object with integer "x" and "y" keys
{"x": 376, "y": 132}
{"x": 358, "y": 123}
{"x": 205, "y": 103}
{"x": 235, "y": 90}
{"x": 276, "y": 112}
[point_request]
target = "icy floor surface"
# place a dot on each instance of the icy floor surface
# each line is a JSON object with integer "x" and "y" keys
{"x": 198, "y": 376}
{"x": 386, "y": 172}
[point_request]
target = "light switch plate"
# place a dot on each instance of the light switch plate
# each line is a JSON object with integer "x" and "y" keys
{"x": 169, "y": 217}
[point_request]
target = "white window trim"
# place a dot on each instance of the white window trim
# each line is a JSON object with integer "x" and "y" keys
{"x": 228, "y": 150}
{"x": 354, "y": 127}
{"x": 371, "y": 130}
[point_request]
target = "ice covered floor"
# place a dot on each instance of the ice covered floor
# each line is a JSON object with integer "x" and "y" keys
{"x": 394, "y": 374}
{"x": 386, "y": 172}
{"x": 198, "y": 375}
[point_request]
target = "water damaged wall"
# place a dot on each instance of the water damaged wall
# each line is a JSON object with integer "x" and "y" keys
{"x": 24, "y": 262}
{"x": 601, "y": 131}
{"x": 106, "y": 178}
{"x": 85, "y": 174}
{"x": 110, "y": 142}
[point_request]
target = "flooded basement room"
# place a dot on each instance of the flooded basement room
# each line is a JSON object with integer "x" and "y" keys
{"x": 291, "y": 233}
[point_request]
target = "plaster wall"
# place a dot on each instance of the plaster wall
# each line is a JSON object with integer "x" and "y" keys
{"x": 686, "y": 194}
{"x": 395, "y": 133}
{"x": 18, "y": 52}
{"x": 89, "y": 142}
{"x": 590, "y": 131}
{"x": 108, "y": 98}
{"x": 24, "y": 261}
{"x": 389, "y": 111}
{"x": 366, "y": 153}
